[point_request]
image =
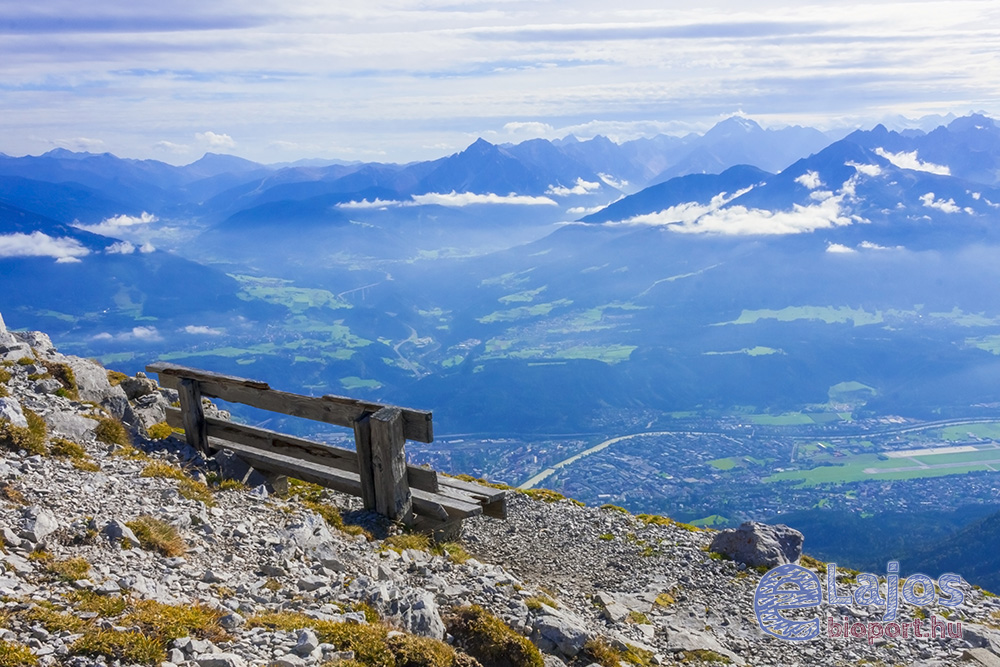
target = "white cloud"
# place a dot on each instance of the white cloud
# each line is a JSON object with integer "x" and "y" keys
{"x": 111, "y": 226}
{"x": 364, "y": 203}
{"x": 146, "y": 333}
{"x": 911, "y": 161}
{"x": 137, "y": 333}
{"x": 688, "y": 212}
{"x": 839, "y": 248}
{"x": 470, "y": 198}
{"x": 739, "y": 220}
{"x": 584, "y": 210}
{"x": 712, "y": 218}
{"x": 529, "y": 128}
{"x": 810, "y": 180}
{"x": 582, "y": 187}
{"x": 202, "y": 330}
{"x": 36, "y": 244}
{"x": 120, "y": 248}
{"x": 866, "y": 169}
{"x": 147, "y": 248}
{"x": 868, "y": 245}
{"x": 216, "y": 140}
{"x": 948, "y": 206}
{"x": 612, "y": 181}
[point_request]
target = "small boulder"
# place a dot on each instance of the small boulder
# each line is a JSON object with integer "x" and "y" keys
{"x": 38, "y": 524}
{"x": 759, "y": 545}
{"x": 10, "y": 410}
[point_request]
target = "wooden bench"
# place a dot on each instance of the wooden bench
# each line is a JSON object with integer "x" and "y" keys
{"x": 376, "y": 470}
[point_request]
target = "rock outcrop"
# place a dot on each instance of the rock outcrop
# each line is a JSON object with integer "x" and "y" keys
{"x": 759, "y": 544}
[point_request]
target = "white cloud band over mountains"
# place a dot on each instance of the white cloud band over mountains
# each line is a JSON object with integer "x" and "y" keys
{"x": 455, "y": 199}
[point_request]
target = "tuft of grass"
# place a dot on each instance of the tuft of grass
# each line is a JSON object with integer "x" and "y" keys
{"x": 657, "y": 520}
{"x": 51, "y": 618}
{"x": 112, "y": 432}
{"x": 614, "y": 508}
{"x": 64, "y": 374}
{"x": 116, "y": 378}
{"x": 535, "y": 602}
{"x": 413, "y": 651}
{"x": 25, "y": 361}
{"x": 13, "y": 654}
{"x": 5, "y": 376}
{"x": 233, "y": 485}
{"x": 453, "y": 550}
{"x": 601, "y": 651}
{"x": 607, "y": 537}
{"x": 168, "y": 622}
{"x": 12, "y": 494}
{"x": 812, "y": 563}
{"x": 131, "y": 452}
{"x": 483, "y": 482}
{"x": 545, "y": 495}
{"x": 162, "y": 469}
{"x": 69, "y": 570}
{"x": 129, "y": 647}
{"x": 156, "y": 535}
{"x": 75, "y": 452}
{"x": 704, "y": 655}
{"x": 30, "y": 438}
{"x": 489, "y": 640}
{"x": 105, "y": 606}
{"x": 67, "y": 449}
{"x": 159, "y": 431}
{"x": 638, "y": 618}
{"x": 188, "y": 488}
{"x": 664, "y": 600}
{"x": 399, "y": 543}
{"x": 367, "y": 641}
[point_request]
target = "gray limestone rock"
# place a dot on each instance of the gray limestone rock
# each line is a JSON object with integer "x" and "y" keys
{"x": 559, "y": 631}
{"x": 138, "y": 386}
{"x": 10, "y": 410}
{"x": 118, "y": 531}
{"x": 38, "y": 524}
{"x": 220, "y": 660}
{"x": 759, "y": 544}
{"x": 69, "y": 425}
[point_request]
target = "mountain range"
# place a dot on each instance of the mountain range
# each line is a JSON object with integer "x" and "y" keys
{"x": 578, "y": 290}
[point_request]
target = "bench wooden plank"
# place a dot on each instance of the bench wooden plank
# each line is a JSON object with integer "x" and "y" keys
{"x": 494, "y": 501}
{"x": 339, "y": 410}
{"x": 287, "y": 445}
{"x": 424, "y": 502}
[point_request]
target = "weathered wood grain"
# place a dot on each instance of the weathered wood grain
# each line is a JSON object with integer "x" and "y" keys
{"x": 339, "y": 410}
{"x": 392, "y": 492}
{"x": 279, "y": 443}
{"x": 193, "y": 414}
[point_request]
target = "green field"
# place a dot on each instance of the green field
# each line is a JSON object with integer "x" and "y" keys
{"x": 354, "y": 382}
{"x": 787, "y": 419}
{"x": 523, "y": 312}
{"x": 281, "y": 292}
{"x": 727, "y": 463}
{"x": 991, "y": 454}
{"x": 756, "y": 351}
{"x": 852, "y": 468}
{"x": 961, "y": 433}
{"x": 829, "y": 314}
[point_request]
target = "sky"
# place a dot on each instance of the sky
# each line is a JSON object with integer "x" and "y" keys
{"x": 418, "y": 79}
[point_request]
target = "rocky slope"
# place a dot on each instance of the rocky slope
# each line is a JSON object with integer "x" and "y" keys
{"x": 124, "y": 546}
